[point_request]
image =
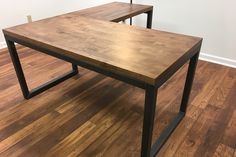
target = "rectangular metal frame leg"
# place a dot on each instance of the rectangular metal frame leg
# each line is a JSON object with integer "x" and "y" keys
{"x": 148, "y": 120}
{"x": 189, "y": 81}
{"x": 149, "y": 113}
{"x": 21, "y": 77}
{"x": 131, "y": 20}
{"x": 149, "y": 19}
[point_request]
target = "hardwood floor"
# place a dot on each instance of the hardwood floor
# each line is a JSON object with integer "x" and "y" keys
{"x": 93, "y": 115}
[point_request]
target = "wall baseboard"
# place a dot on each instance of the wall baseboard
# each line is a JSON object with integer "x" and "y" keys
{"x": 3, "y": 45}
{"x": 218, "y": 60}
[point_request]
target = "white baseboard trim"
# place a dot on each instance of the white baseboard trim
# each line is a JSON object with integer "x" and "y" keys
{"x": 218, "y": 60}
{"x": 3, "y": 45}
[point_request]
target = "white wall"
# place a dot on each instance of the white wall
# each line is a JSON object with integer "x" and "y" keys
{"x": 14, "y": 12}
{"x": 214, "y": 20}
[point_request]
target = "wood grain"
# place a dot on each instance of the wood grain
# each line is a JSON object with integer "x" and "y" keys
{"x": 142, "y": 54}
{"x": 92, "y": 115}
{"x": 223, "y": 150}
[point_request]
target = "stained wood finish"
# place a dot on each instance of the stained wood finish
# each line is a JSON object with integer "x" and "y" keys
{"x": 143, "y": 54}
{"x": 115, "y": 11}
{"x": 92, "y": 115}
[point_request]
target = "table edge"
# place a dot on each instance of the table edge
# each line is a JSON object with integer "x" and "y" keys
{"x": 93, "y": 62}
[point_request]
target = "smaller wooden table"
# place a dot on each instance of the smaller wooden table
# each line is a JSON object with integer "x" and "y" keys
{"x": 117, "y": 11}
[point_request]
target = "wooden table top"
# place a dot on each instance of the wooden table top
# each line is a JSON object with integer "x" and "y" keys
{"x": 115, "y": 11}
{"x": 143, "y": 54}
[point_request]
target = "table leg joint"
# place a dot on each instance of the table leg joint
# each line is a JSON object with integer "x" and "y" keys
{"x": 21, "y": 78}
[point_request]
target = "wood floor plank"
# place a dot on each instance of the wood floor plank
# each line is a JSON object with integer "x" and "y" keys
{"x": 96, "y": 119}
{"x": 61, "y": 148}
{"x": 217, "y": 127}
{"x": 68, "y": 121}
{"x": 103, "y": 143}
{"x": 104, "y": 125}
{"x": 223, "y": 151}
{"x": 210, "y": 87}
{"x": 229, "y": 133}
{"x": 201, "y": 123}
{"x": 31, "y": 110}
{"x": 194, "y": 112}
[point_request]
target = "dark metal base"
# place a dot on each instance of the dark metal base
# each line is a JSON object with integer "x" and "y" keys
{"x": 51, "y": 84}
{"x": 149, "y": 113}
{"x": 166, "y": 134}
{"x": 131, "y": 20}
{"x": 21, "y": 77}
{"x": 149, "y": 19}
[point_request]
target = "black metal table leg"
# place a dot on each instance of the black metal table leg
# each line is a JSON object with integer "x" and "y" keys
{"x": 18, "y": 68}
{"x": 148, "y": 120}
{"x": 149, "y": 19}
{"x": 21, "y": 78}
{"x": 131, "y": 20}
{"x": 189, "y": 82}
{"x": 166, "y": 134}
{"x": 149, "y": 113}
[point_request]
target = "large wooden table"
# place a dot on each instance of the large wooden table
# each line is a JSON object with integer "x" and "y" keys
{"x": 141, "y": 57}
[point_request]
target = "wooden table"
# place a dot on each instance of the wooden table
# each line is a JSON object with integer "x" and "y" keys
{"x": 141, "y": 57}
{"x": 118, "y": 11}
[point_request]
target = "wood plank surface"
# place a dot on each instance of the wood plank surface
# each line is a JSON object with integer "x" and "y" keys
{"x": 142, "y": 54}
{"x": 115, "y": 11}
{"x": 93, "y": 115}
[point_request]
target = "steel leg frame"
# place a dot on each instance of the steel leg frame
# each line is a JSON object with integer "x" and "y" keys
{"x": 149, "y": 113}
{"x": 149, "y": 19}
{"x": 21, "y": 78}
{"x": 131, "y": 19}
